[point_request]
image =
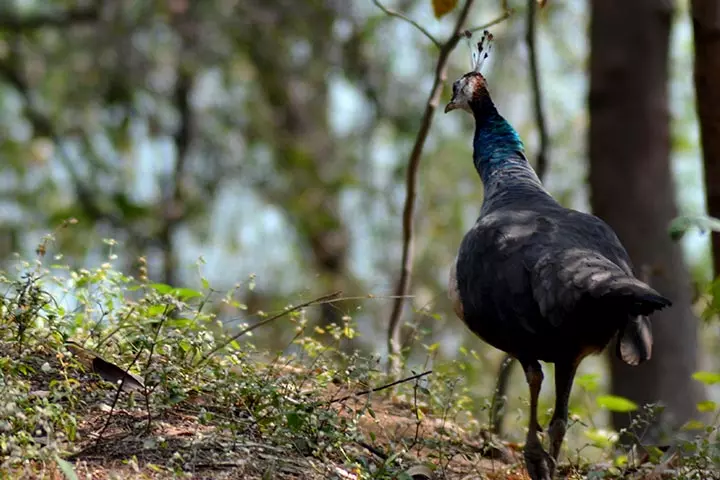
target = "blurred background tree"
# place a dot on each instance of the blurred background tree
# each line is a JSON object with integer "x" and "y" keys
{"x": 269, "y": 139}
{"x": 633, "y": 190}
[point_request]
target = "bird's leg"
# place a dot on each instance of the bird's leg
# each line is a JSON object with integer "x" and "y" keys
{"x": 536, "y": 460}
{"x": 564, "y": 374}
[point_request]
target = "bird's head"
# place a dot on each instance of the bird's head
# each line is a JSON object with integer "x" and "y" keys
{"x": 471, "y": 87}
{"x": 467, "y": 89}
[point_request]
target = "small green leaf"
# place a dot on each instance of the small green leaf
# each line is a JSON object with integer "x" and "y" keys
{"x": 186, "y": 293}
{"x": 616, "y": 404}
{"x": 654, "y": 453}
{"x": 707, "y": 406}
{"x": 601, "y": 438}
{"x": 66, "y": 468}
{"x": 432, "y": 348}
{"x": 708, "y": 378}
{"x": 293, "y": 420}
{"x": 680, "y": 225}
{"x": 620, "y": 461}
{"x": 442, "y": 7}
{"x": 156, "y": 310}
{"x": 205, "y": 283}
{"x": 588, "y": 381}
{"x": 392, "y": 458}
{"x": 161, "y": 288}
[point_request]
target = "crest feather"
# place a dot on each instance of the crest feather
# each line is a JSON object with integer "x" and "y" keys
{"x": 482, "y": 52}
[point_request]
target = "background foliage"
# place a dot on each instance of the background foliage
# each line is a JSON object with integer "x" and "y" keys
{"x": 260, "y": 147}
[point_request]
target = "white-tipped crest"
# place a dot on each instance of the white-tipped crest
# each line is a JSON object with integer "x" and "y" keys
{"x": 474, "y": 56}
{"x": 483, "y": 51}
{"x": 470, "y": 85}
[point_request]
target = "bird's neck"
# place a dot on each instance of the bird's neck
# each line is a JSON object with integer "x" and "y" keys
{"x": 497, "y": 146}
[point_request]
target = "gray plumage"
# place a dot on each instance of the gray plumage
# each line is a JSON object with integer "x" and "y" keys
{"x": 540, "y": 281}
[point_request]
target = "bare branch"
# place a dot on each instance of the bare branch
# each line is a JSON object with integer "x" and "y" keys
{"x": 412, "y": 22}
{"x": 541, "y": 162}
{"x": 19, "y": 23}
{"x": 403, "y": 283}
{"x": 127, "y": 370}
{"x": 287, "y": 311}
{"x": 506, "y": 14}
{"x": 382, "y": 387}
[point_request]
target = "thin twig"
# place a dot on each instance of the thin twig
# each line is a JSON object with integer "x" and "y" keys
{"x": 506, "y": 14}
{"x": 148, "y": 391}
{"x": 403, "y": 283}
{"x": 324, "y": 298}
{"x": 375, "y": 451}
{"x": 418, "y": 421}
{"x": 412, "y": 22}
{"x": 541, "y": 162}
{"x": 383, "y": 387}
{"x": 330, "y": 300}
{"x": 121, "y": 325}
{"x": 125, "y": 375}
{"x": 541, "y": 165}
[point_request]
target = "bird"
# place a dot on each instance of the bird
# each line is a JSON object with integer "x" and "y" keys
{"x": 537, "y": 280}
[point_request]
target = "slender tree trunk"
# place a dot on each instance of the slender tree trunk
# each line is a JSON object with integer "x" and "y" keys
{"x": 632, "y": 189}
{"x": 706, "y": 27}
{"x": 304, "y": 147}
{"x": 330, "y": 247}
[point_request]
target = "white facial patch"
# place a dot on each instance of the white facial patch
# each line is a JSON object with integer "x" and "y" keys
{"x": 463, "y": 92}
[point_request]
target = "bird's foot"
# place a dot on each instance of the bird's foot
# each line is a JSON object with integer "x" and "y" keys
{"x": 539, "y": 464}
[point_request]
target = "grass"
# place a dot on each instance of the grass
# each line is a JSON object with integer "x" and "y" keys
{"x": 204, "y": 402}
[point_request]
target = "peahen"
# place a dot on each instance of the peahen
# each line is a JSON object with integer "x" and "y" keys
{"x": 537, "y": 280}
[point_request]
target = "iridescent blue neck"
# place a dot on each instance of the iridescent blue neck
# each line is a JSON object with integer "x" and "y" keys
{"x": 496, "y": 144}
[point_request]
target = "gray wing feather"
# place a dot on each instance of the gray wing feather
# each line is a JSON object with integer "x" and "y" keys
{"x": 562, "y": 278}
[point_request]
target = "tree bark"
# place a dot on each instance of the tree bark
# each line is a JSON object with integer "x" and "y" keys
{"x": 706, "y": 28}
{"x": 632, "y": 189}
{"x": 304, "y": 149}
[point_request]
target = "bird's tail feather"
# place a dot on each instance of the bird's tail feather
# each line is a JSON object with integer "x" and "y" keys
{"x": 634, "y": 345}
{"x": 634, "y": 296}
{"x": 637, "y": 300}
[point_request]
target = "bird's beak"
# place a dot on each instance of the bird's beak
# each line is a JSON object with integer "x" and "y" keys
{"x": 450, "y": 106}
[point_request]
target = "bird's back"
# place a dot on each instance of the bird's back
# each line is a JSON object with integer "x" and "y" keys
{"x": 525, "y": 268}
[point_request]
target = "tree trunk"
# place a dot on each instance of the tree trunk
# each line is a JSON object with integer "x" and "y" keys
{"x": 706, "y": 27}
{"x": 304, "y": 149}
{"x": 632, "y": 189}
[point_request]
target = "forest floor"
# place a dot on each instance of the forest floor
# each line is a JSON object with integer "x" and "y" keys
{"x": 114, "y": 442}
{"x": 210, "y": 406}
